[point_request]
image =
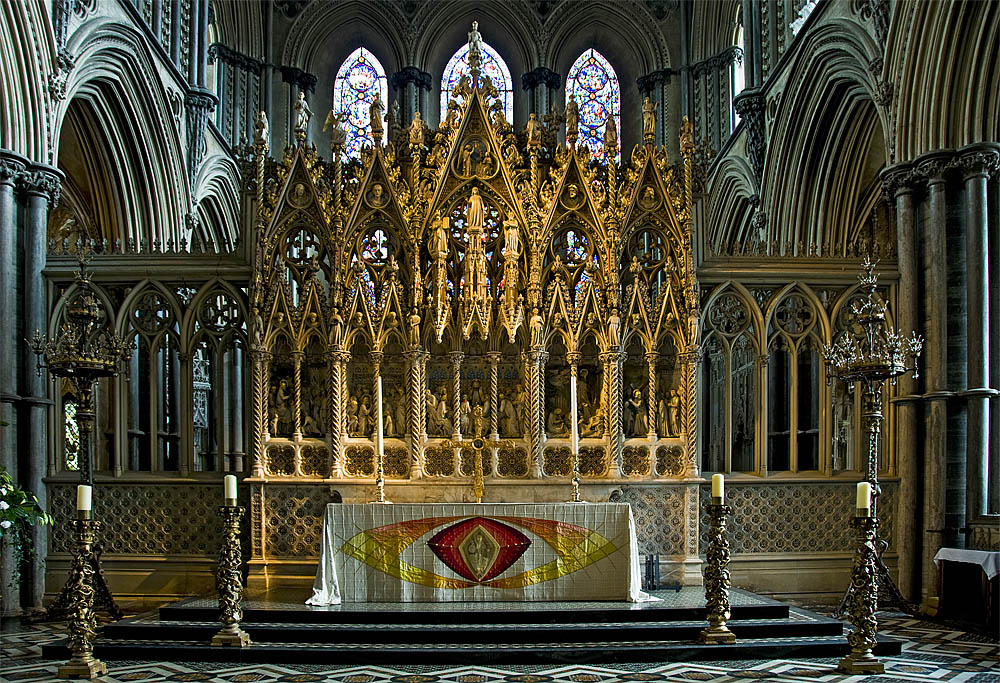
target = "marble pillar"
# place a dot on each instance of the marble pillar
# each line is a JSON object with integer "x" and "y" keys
{"x": 10, "y": 169}
{"x": 935, "y": 369}
{"x": 541, "y": 84}
{"x": 976, "y": 166}
{"x": 40, "y": 187}
{"x": 899, "y": 185}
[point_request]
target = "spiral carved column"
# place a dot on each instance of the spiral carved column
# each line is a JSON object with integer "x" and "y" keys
{"x": 376, "y": 357}
{"x": 297, "y": 357}
{"x": 612, "y": 365}
{"x": 417, "y": 409}
{"x": 651, "y": 415}
{"x": 345, "y": 359}
{"x": 456, "y": 387}
{"x": 335, "y": 408}
{"x": 689, "y": 382}
{"x": 535, "y": 416}
{"x": 261, "y": 362}
{"x": 494, "y": 358}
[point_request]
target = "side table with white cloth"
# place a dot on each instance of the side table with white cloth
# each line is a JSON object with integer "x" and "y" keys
{"x": 477, "y": 552}
{"x": 969, "y": 585}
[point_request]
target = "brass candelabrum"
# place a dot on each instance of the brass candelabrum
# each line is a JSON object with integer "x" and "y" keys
{"x": 82, "y": 617}
{"x": 863, "y": 601}
{"x": 576, "y": 475}
{"x": 380, "y": 476}
{"x": 716, "y": 577}
{"x": 868, "y": 353}
{"x": 84, "y": 351}
{"x": 229, "y": 580}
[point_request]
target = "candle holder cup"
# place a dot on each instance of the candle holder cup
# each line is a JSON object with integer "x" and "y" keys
{"x": 716, "y": 578}
{"x": 229, "y": 581}
{"x": 80, "y": 608}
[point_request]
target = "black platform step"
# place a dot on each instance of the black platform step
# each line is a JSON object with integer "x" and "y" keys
{"x": 480, "y": 653}
{"x": 803, "y": 625}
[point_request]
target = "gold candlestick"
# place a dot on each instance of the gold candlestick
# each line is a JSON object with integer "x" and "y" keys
{"x": 863, "y": 602}
{"x": 716, "y": 577}
{"x": 82, "y": 618}
{"x": 477, "y": 445}
{"x": 228, "y": 581}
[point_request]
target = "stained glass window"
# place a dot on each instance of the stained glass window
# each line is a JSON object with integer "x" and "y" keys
{"x": 493, "y": 66}
{"x": 72, "y": 435}
{"x": 594, "y": 83}
{"x": 359, "y": 80}
{"x": 738, "y": 74}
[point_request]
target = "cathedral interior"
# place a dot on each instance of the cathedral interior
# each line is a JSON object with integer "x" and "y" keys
{"x": 480, "y": 211}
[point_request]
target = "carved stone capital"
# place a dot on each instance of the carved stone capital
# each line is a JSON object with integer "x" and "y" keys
{"x": 648, "y": 82}
{"x": 750, "y": 104}
{"x": 934, "y": 167}
{"x": 897, "y": 180}
{"x": 494, "y": 357}
{"x": 297, "y": 77}
{"x": 979, "y": 162}
{"x": 10, "y": 168}
{"x": 45, "y": 182}
{"x": 410, "y": 74}
{"x": 541, "y": 76}
{"x": 227, "y": 55}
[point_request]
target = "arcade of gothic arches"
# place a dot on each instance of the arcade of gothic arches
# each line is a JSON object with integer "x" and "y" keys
{"x": 683, "y": 234}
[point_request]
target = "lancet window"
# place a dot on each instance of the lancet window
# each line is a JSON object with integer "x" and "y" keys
{"x": 795, "y": 377}
{"x": 493, "y": 66}
{"x": 593, "y": 82}
{"x": 737, "y": 75}
{"x": 729, "y": 381}
{"x": 359, "y": 81}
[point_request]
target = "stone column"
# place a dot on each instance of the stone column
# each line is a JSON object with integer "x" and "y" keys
{"x": 898, "y": 183}
{"x": 651, "y": 359}
{"x": 409, "y": 81}
{"x": 261, "y": 361}
{"x": 10, "y": 169}
{"x": 334, "y": 408}
{"x": 185, "y": 383}
{"x": 416, "y": 414}
{"x": 236, "y": 426}
{"x": 977, "y": 165}
{"x": 41, "y": 188}
{"x": 195, "y": 40}
{"x": 494, "y": 358}
{"x": 541, "y": 82}
{"x": 376, "y": 357}
{"x": 534, "y": 389}
{"x": 456, "y": 400}
{"x": 297, "y": 357}
{"x": 175, "y": 33}
{"x": 613, "y": 386}
{"x": 935, "y": 369}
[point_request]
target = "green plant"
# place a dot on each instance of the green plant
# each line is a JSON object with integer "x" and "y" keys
{"x": 19, "y": 510}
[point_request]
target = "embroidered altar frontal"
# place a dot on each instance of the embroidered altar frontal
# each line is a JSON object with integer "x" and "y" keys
{"x": 460, "y": 553}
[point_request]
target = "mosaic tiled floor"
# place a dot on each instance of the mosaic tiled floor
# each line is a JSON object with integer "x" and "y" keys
{"x": 931, "y": 653}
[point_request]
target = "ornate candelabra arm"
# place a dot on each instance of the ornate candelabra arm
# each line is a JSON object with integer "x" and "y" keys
{"x": 716, "y": 578}
{"x": 863, "y": 602}
{"x": 82, "y": 618}
{"x": 229, "y": 582}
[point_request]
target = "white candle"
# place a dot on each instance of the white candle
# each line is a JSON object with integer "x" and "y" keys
{"x": 575, "y": 443}
{"x": 864, "y": 499}
{"x": 229, "y": 485}
{"x": 84, "y": 498}
{"x": 718, "y": 485}
{"x": 378, "y": 402}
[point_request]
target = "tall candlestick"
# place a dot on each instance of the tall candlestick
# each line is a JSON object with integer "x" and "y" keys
{"x": 84, "y": 498}
{"x": 229, "y": 486}
{"x": 575, "y": 443}
{"x": 718, "y": 486}
{"x": 378, "y": 402}
{"x": 864, "y": 499}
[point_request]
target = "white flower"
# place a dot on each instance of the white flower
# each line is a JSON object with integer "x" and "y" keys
{"x": 4, "y": 505}
{"x": 3, "y": 491}
{"x": 5, "y": 524}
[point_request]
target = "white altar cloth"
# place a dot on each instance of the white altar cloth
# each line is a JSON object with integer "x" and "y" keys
{"x": 485, "y": 552}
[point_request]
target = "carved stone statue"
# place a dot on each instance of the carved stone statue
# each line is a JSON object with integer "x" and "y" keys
{"x": 417, "y": 131}
{"x": 475, "y": 214}
{"x": 438, "y": 246}
{"x": 475, "y": 47}
{"x": 375, "y": 119}
{"x": 302, "y": 115}
{"x": 674, "y": 405}
{"x": 556, "y": 424}
{"x": 401, "y": 413}
{"x": 260, "y": 130}
{"x": 508, "y": 417}
{"x": 663, "y": 418}
{"x": 352, "y": 416}
{"x": 610, "y": 138}
{"x": 338, "y": 136}
{"x": 572, "y": 118}
{"x": 364, "y": 414}
{"x": 648, "y": 118}
{"x": 534, "y": 131}
{"x": 478, "y": 421}
{"x": 511, "y": 238}
{"x": 636, "y": 407}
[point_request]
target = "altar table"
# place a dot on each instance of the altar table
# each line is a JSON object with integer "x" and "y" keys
{"x": 477, "y": 552}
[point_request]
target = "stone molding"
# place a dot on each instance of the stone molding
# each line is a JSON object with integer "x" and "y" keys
{"x": 305, "y": 81}
{"x": 541, "y": 76}
{"x": 410, "y": 74}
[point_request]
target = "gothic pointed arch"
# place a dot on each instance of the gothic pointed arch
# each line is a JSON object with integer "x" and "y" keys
{"x": 594, "y": 84}
{"x": 493, "y": 66}
{"x": 359, "y": 81}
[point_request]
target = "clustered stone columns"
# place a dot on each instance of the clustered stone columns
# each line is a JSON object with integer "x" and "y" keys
{"x": 411, "y": 82}
{"x": 542, "y": 83}
{"x": 27, "y": 192}
{"x": 943, "y": 226}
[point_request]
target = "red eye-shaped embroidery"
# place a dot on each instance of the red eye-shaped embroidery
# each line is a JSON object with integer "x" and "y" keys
{"x": 479, "y": 548}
